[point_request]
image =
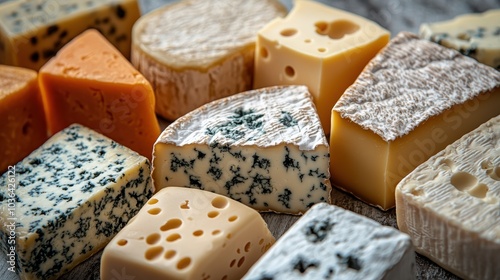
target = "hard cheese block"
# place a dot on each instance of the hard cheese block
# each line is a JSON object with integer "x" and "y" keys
{"x": 91, "y": 83}
{"x": 196, "y": 51}
{"x": 69, "y": 198}
{"x": 23, "y": 126}
{"x": 385, "y": 125}
{"x": 318, "y": 46}
{"x": 329, "y": 242}
{"x": 187, "y": 234}
{"x": 32, "y": 31}
{"x": 450, "y": 205}
{"x": 474, "y": 35}
{"x": 264, "y": 148}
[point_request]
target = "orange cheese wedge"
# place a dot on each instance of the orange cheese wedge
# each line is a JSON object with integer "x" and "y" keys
{"x": 89, "y": 82}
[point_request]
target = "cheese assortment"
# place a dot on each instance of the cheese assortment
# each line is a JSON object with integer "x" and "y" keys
{"x": 185, "y": 233}
{"x": 264, "y": 148}
{"x": 32, "y": 31}
{"x": 196, "y": 51}
{"x": 385, "y": 125}
{"x": 71, "y": 196}
{"x": 329, "y": 242}
{"x": 474, "y": 35}
{"x": 318, "y": 46}
{"x": 455, "y": 197}
{"x": 91, "y": 83}
{"x": 23, "y": 127}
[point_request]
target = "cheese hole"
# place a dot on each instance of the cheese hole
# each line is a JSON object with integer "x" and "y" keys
{"x": 122, "y": 242}
{"x": 219, "y": 202}
{"x": 307, "y": 41}
{"x": 241, "y": 261}
{"x": 224, "y": 277}
{"x": 233, "y": 262}
{"x": 264, "y": 52}
{"x": 261, "y": 241}
{"x": 238, "y": 251}
{"x": 463, "y": 181}
{"x": 248, "y": 246}
{"x": 152, "y": 201}
{"x": 232, "y": 218}
{"x": 448, "y": 164}
{"x": 288, "y": 32}
{"x": 417, "y": 192}
{"x": 153, "y": 253}
{"x": 170, "y": 254}
{"x": 479, "y": 191}
{"x": 154, "y": 211}
{"x": 321, "y": 50}
{"x": 153, "y": 238}
{"x": 229, "y": 236}
{"x": 213, "y": 214}
{"x": 183, "y": 263}
{"x": 171, "y": 224}
{"x": 173, "y": 237}
{"x": 215, "y": 232}
{"x": 26, "y": 128}
{"x": 336, "y": 29}
{"x": 198, "y": 233}
{"x": 486, "y": 164}
{"x": 494, "y": 173}
{"x": 289, "y": 71}
{"x": 185, "y": 205}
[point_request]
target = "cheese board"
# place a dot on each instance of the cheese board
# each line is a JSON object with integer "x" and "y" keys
{"x": 395, "y": 16}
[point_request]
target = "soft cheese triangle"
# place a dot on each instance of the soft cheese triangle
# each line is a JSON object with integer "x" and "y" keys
{"x": 196, "y": 51}
{"x": 412, "y": 100}
{"x": 265, "y": 148}
{"x": 474, "y": 35}
{"x": 67, "y": 200}
{"x": 450, "y": 205}
{"x": 329, "y": 242}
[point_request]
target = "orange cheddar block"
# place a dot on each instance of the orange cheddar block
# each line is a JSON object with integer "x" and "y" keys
{"x": 22, "y": 120}
{"x": 89, "y": 82}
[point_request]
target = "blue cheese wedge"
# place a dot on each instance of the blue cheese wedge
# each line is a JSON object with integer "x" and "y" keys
{"x": 68, "y": 199}
{"x": 474, "y": 35}
{"x": 329, "y": 242}
{"x": 450, "y": 205}
{"x": 264, "y": 148}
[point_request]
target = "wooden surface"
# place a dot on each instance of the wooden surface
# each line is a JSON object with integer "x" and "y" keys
{"x": 396, "y": 16}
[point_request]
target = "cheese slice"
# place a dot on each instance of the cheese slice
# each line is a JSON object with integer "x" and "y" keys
{"x": 329, "y": 242}
{"x": 67, "y": 201}
{"x": 264, "y": 148}
{"x": 450, "y": 205}
{"x": 32, "y": 31}
{"x": 186, "y": 233}
{"x": 89, "y": 82}
{"x": 23, "y": 126}
{"x": 412, "y": 100}
{"x": 318, "y": 46}
{"x": 474, "y": 35}
{"x": 197, "y": 51}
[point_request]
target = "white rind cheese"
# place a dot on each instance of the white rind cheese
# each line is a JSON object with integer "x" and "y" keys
{"x": 68, "y": 199}
{"x": 196, "y": 51}
{"x": 474, "y": 35}
{"x": 450, "y": 205}
{"x": 265, "y": 148}
{"x": 329, "y": 242}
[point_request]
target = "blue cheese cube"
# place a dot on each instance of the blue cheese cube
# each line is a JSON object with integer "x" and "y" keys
{"x": 329, "y": 242}
{"x": 67, "y": 200}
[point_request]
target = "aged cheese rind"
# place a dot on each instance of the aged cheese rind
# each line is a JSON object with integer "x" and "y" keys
{"x": 450, "y": 205}
{"x": 385, "y": 125}
{"x": 208, "y": 44}
{"x": 31, "y": 32}
{"x": 329, "y": 242}
{"x": 265, "y": 148}
{"x": 184, "y": 233}
{"x": 22, "y": 117}
{"x": 72, "y": 195}
{"x": 474, "y": 35}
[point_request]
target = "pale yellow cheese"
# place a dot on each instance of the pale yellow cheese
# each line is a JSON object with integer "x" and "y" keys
{"x": 184, "y": 233}
{"x": 318, "y": 46}
{"x": 385, "y": 125}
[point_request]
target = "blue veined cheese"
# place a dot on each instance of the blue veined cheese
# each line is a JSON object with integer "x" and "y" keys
{"x": 264, "y": 148}
{"x": 32, "y": 31}
{"x": 474, "y": 35}
{"x": 329, "y": 242}
{"x": 450, "y": 205}
{"x": 68, "y": 199}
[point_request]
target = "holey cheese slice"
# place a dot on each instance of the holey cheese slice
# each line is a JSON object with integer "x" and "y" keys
{"x": 318, "y": 46}
{"x": 329, "y": 242}
{"x": 474, "y": 35}
{"x": 412, "y": 100}
{"x": 450, "y": 205}
{"x": 196, "y": 51}
{"x": 67, "y": 200}
{"x": 264, "y": 148}
{"x": 185, "y": 233}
